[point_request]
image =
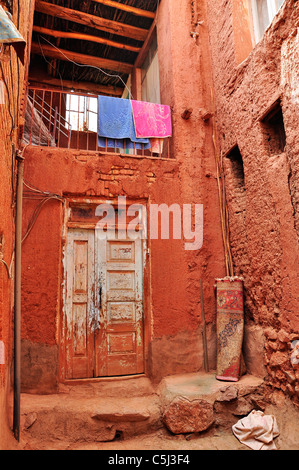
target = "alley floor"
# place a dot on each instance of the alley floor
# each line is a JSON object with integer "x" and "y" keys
{"x": 162, "y": 440}
{"x": 130, "y": 415}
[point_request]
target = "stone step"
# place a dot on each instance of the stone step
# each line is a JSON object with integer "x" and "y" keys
{"x": 109, "y": 410}
{"x": 194, "y": 402}
{"x": 124, "y": 387}
{"x": 74, "y": 419}
{"x": 92, "y": 411}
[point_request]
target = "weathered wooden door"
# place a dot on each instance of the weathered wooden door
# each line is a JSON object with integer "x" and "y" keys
{"x": 119, "y": 334}
{"x": 79, "y": 304}
{"x": 104, "y": 305}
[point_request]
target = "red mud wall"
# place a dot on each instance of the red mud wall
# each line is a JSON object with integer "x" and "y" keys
{"x": 262, "y": 196}
{"x": 173, "y": 317}
{"x": 12, "y": 78}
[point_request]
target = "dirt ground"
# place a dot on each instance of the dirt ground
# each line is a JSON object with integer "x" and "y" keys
{"x": 214, "y": 439}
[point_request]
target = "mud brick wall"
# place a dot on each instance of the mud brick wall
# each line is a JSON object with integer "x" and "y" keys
{"x": 174, "y": 323}
{"x": 12, "y": 73}
{"x": 260, "y": 158}
{"x": 173, "y": 319}
{"x": 209, "y": 67}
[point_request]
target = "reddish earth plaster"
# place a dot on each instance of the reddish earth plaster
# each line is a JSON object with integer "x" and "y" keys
{"x": 172, "y": 291}
{"x": 263, "y": 224}
{"x": 10, "y": 118}
{"x": 7, "y": 171}
{"x": 190, "y": 412}
{"x": 170, "y": 274}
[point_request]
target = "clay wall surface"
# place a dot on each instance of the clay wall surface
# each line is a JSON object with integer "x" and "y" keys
{"x": 172, "y": 292}
{"x": 6, "y": 284}
{"x": 261, "y": 177}
{"x": 11, "y": 96}
{"x": 172, "y": 317}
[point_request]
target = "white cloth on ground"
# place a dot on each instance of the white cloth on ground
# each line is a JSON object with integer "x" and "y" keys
{"x": 257, "y": 430}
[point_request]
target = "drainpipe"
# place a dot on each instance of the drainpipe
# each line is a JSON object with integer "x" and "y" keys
{"x": 17, "y": 300}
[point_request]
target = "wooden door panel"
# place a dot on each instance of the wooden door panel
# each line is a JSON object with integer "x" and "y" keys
{"x": 119, "y": 341}
{"x": 121, "y": 312}
{"x": 120, "y": 251}
{"x": 121, "y": 280}
{"x": 80, "y": 329}
{"x": 121, "y": 352}
{"x": 79, "y": 304}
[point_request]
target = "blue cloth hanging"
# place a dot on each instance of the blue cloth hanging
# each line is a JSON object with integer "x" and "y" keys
{"x": 116, "y": 124}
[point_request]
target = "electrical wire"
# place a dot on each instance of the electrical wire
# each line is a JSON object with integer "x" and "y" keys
{"x": 35, "y": 193}
{"x": 34, "y": 188}
{"x": 7, "y": 268}
{"x": 49, "y": 63}
{"x": 86, "y": 65}
{"x": 37, "y": 211}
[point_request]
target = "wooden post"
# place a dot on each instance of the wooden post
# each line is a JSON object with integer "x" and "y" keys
{"x": 204, "y": 333}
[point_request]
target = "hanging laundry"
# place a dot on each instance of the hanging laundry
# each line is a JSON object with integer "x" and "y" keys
{"x": 151, "y": 120}
{"x": 116, "y": 126}
{"x": 157, "y": 145}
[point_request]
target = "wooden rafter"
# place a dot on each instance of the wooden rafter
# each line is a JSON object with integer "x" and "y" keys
{"x": 82, "y": 59}
{"x": 84, "y": 37}
{"x": 38, "y": 81}
{"x": 92, "y": 21}
{"x": 127, "y": 8}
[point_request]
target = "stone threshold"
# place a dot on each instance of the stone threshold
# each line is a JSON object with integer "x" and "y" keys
{"x": 107, "y": 411}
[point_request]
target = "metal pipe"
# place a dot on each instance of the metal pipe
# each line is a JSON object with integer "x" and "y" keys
{"x": 17, "y": 302}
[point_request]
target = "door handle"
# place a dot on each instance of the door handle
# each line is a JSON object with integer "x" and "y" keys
{"x": 100, "y": 297}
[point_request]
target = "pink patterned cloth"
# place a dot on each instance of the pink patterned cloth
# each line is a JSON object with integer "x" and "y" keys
{"x": 151, "y": 120}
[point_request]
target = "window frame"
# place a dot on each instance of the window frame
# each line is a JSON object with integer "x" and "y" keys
{"x": 77, "y": 111}
{"x": 147, "y": 64}
{"x": 272, "y": 9}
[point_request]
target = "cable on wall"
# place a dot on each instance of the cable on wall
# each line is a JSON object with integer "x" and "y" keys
{"x": 44, "y": 197}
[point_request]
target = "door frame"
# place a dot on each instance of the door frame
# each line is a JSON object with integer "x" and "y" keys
{"x": 62, "y": 325}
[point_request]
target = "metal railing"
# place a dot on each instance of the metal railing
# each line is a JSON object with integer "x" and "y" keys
{"x": 44, "y": 124}
{"x": 70, "y": 120}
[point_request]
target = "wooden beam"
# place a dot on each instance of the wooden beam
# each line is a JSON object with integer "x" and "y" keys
{"x": 35, "y": 81}
{"x": 82, "y": 59}
{"x": 84, "y": 37}
{"x": 146, "y": 45}
{"x": 92, "y": 21}
{"x": 136, "y": 87}
{"x": 127, "y": 8}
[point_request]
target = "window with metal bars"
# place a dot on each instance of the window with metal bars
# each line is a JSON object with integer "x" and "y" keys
{"x": 82, "y": 112}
